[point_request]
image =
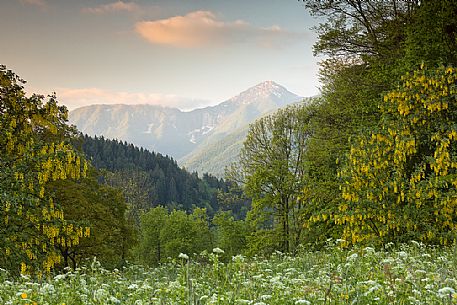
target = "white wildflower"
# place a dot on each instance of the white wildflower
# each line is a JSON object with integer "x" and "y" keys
{"x": 402, "y": 254}
{"x": 352, "y": 257}
{"x": 369, "y": 250}
{"x": 47, "y": 289}
{"x": 302, "y": 301}
{"x": 100, "y": 294}
{"x": 446, "y": 292}
{"x": 241, "y": 301}
{"x": 218, "y": 251}
{"x": 238, "y": 258}
{"x": 59, "y": 277}
{"x": 184, "y": 256}
{"x": 415, "y": 243}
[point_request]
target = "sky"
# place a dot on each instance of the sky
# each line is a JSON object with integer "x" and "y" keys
{"x": 185, "y": 54}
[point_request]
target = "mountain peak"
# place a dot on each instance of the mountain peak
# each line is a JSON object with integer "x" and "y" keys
{"x": 268, "y": 84}
{"x": 262, "y": 91}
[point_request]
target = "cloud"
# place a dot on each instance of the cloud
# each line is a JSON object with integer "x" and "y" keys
{"x": 118, "y": 6}
{"x": 204, "y": 29}
{"x": 74, "y": 98}
{"x": 38, "y": 3}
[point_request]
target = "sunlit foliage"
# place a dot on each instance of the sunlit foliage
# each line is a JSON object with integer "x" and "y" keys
{"x": 32, "y": 153}
{"x": 401, "y": 180}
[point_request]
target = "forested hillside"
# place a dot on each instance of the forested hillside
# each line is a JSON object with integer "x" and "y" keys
{"x": 149, "y": 179}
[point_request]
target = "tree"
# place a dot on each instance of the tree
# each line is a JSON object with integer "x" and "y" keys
{"x": 369, "y": 45}
{"x": 165, "y": 235}
{"x": 230, "y": 233}
{"x": 34, "y": 150}
{"x": 272, "y": 170}
{"x": 400, "y": 182}
{"x": 103, "y": 209}
{"x": 150, "y": 247}
{"x": 358, "y": 28}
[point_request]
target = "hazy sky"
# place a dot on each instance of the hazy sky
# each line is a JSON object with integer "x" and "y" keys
{"x": 186, "y": 54}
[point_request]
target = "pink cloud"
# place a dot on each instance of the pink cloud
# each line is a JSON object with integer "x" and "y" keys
{"x": 203, "y": 29}
{"x": 118, "y": 6}
{"x": 75, "y": 98}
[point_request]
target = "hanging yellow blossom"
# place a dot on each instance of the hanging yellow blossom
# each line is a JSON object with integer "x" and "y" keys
{"x": 399, "y": 181}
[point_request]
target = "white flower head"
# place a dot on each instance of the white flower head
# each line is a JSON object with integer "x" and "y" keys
{"x": 184, "y": 256}
{"x": 218, "y": 251}
{"x": 446, "y": 291}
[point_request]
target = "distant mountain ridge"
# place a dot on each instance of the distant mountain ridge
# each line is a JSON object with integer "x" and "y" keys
{"x": 180, "y": 134}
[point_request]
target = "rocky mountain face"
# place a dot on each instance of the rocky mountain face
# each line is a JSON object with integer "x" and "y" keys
{"x": 185, "y": 136}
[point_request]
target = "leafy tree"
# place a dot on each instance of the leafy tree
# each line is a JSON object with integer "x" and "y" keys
{"x": 400, "y": 182}
{"x": 166, "y": 234}
{"x": 369, "y": 45}
{"x": 230, "y": 233}
{"x": 186, "y": 233}
{"x": 272, "y": 170}
{"x": 103, "y": 209}
{"x": 431, "y": 35}
{"x": 347, "y": 106}
{"x": 150, "y": 247}
{"x": 34, "y": 150}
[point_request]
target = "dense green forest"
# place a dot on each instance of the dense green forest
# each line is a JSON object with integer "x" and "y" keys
{"x": 372, "y": 161}
{"x": 149, "y": 179}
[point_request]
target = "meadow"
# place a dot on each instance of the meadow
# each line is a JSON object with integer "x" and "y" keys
{"x": 408, "y": 274}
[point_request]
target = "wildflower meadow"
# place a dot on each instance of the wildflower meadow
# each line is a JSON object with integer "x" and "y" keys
{"x": 408, "y": 274}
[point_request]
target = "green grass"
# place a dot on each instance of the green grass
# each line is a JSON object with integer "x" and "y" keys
{"x": 409, "y": 274}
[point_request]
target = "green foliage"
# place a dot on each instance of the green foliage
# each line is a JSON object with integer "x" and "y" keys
{"x": 400, "y": 182}
{"x": 149, "y": 179}
{"x": 431, "y": 36}
{"x": 165, "y": 235}
{"x": 370, "y": 45}
{"x": 230, "y": 234}
{"x": 150, "y": 247}
{"x": 103, "y": 209}
{"x": 271, "y": 169}
{"x": 361, "y": 28}
{"x": 34, "y": 151}
{"x": 348, "y": 104}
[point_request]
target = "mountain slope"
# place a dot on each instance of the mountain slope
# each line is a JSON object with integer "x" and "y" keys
{"x": 149, "y": 179}
{"x": 218, "y": 150}
{"x": 179, "y": 134}
{"x": 215, "y": 154}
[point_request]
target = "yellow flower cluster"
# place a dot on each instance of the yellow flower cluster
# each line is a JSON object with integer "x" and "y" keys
{"x": 401, "y": 177}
